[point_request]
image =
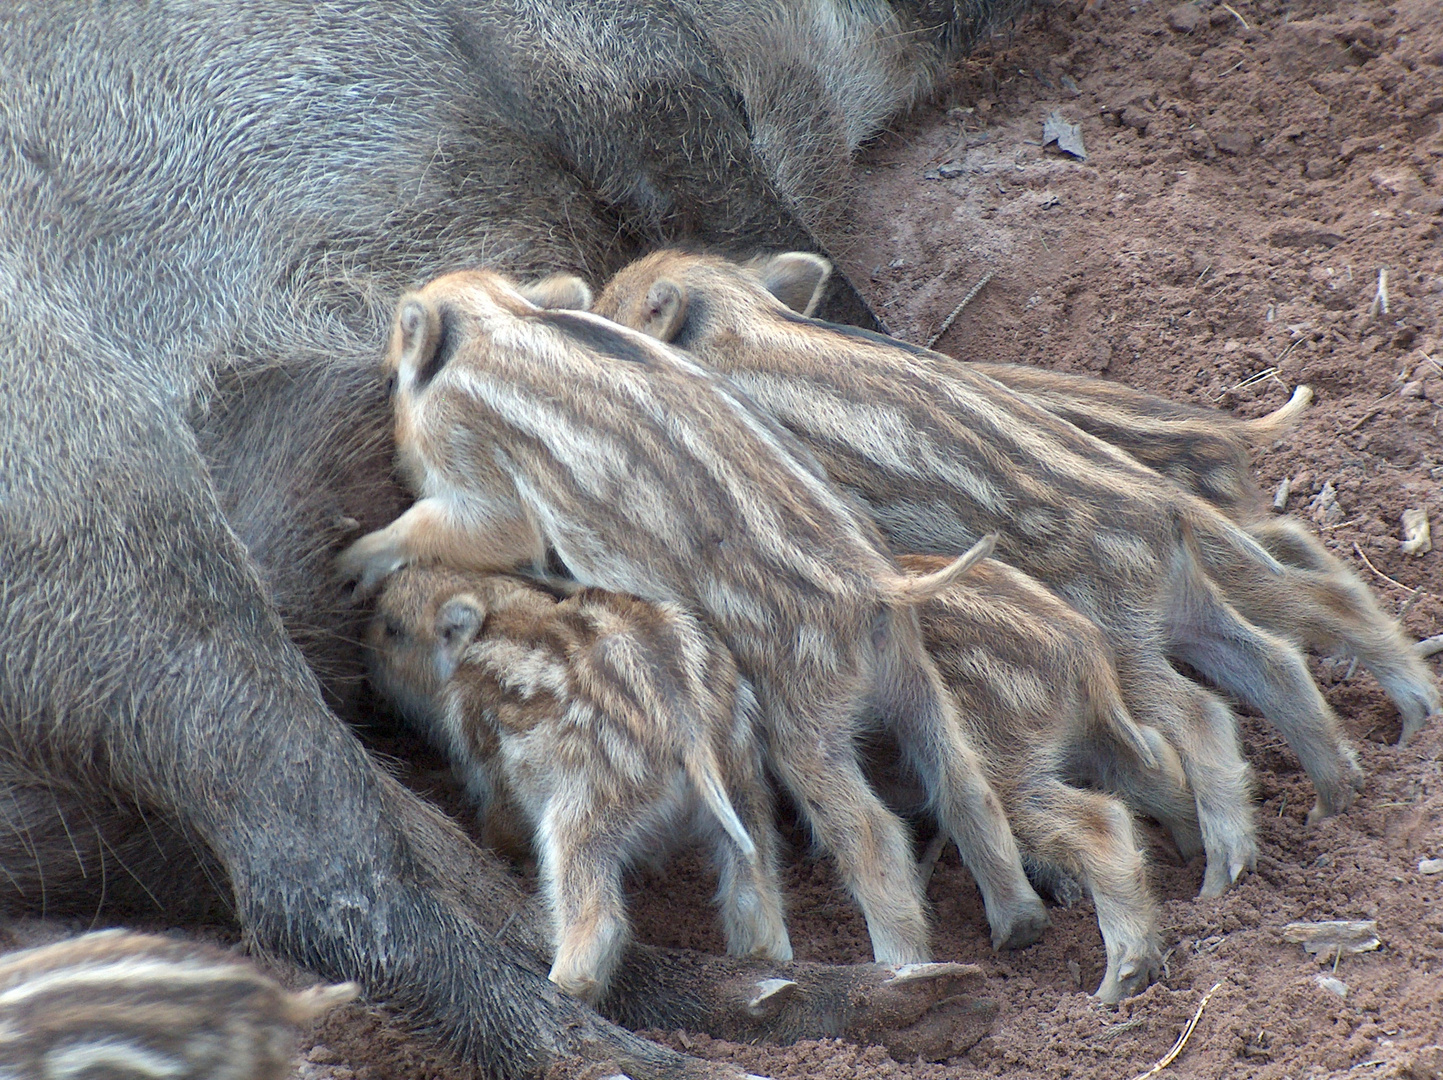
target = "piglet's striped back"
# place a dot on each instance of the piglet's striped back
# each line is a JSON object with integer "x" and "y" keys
{"x": 124, "y": 1006}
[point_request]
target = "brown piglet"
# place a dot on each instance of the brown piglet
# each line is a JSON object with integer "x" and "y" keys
{"x": 610, "y": 724}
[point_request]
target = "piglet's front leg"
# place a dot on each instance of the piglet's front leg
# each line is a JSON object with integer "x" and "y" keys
{"x": 432, "y": 531}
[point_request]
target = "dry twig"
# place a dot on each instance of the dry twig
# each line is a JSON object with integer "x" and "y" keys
{"x": 1266, "y": 373}
{"x": 1373, "y": 411}
{"x": 1234, "y": 12}
{"x": 947, "y": 322}
{"x": 1385, "y": 577}
{"x": 1380, "y": 298}
{"x": 1121, "y": 1028}
{"x": 1280, "y": 497}
{"x": 1334, "y": 936}
{"x": 1171, "y": 1055}
{"x": 1429, "y": 646}
{"x": 1291, "y": 346}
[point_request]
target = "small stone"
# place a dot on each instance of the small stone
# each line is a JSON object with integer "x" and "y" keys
{"x": 1135, "y": 118}
{"x": 951, "y": 170}
{"x": 1280, "y": 497}
{"x": 1233, "y": 142}
{"x": 1067, "y": 135}
{"x": 1184, "y": 18}
{"x": 1320, "y": 168}
{"x": 1351, "y": 148}
{"x": 1430, "y": 866}
{"x": 1332, "y": 985}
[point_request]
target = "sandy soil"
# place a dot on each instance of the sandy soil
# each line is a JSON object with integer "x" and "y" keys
{"x": 1249, "y": 170}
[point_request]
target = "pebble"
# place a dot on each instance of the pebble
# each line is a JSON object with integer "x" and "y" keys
{"x": 1184, "y": 18}
{"x": 1430, "y": 866}
{"x": 1332, "y": 985}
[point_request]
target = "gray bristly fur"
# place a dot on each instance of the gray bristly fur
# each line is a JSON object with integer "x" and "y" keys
{"x": 526, "y": 431}
{"x": 210, "y": 209}
{"x": 615, "y": 727}
{"x": 113, "y": 1003}
{"x": 820, "y": 78}
{"x": 941, "y": 452}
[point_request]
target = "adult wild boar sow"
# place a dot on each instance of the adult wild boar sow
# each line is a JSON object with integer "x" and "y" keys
{"x": 529, "y": 434}
{"x": 209, "y": 209}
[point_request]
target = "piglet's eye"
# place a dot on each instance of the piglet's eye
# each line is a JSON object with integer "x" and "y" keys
{"x": 391, "y": 385}
{"x": 392, "y": 629}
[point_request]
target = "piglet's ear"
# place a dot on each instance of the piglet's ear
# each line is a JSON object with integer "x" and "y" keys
{"x": 796, "y": 278}
{"x": 559, "y": 292}
{"x": 663, "y": 313}
{"x": 417, "y": 333}
{"x": 457, "y": 624}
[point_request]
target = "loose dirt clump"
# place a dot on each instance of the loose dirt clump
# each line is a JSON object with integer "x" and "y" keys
{"x": 1253, "y": 168}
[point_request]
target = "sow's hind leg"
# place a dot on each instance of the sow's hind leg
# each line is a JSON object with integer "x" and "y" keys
{"x": 196, "y": 702}
{"x": 78, "y": 850}
{"x": 74, "y": 850}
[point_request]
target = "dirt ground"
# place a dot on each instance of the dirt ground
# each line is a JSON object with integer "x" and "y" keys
{"x": 1250, "y": 169}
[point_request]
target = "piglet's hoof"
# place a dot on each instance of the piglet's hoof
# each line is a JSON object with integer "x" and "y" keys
{"x": 958, "y": 1015}
{"x": 931, "y": 1011}
{"x": 772, "y": 996}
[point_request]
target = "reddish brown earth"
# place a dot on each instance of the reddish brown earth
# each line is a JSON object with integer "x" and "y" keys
{"x": 1249, "y": 171}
